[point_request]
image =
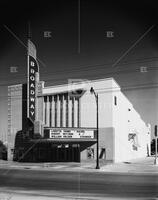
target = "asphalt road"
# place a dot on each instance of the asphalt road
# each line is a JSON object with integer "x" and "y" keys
{"x": 79, "y": 184}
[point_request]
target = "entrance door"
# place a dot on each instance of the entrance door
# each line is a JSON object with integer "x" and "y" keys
{"x": 61, "y": 154}
{"x": 75, "y": 153}
{"x": 66, "y": 153}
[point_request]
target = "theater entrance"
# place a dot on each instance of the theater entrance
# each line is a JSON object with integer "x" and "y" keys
{"x": 65, "y": 153}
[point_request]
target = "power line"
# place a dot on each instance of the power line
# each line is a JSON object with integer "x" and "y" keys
{"x": 103, "y": 65}
{"x": 102, "y": 90}
{"x": 126, "y": 71}
{"x": 107, "y": 74}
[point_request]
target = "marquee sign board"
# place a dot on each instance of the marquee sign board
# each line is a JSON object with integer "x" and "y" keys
{"x": 70, "y": 133}
{"x": 32, "y": 69}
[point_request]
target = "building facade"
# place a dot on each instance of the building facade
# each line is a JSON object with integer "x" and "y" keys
{"x": 65, "y": 124}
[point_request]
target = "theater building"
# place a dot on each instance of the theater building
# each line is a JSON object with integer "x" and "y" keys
{"x": 62, "y": 121}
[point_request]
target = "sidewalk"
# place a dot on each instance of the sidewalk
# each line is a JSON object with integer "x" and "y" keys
{"x": 144, "y": 165}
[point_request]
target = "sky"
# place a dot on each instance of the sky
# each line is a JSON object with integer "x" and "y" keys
{"x": 79, "y": 46}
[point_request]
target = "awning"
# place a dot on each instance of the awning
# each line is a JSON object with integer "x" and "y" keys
{"x": 60, "y": 141}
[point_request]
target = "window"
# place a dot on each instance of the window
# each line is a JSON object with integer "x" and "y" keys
{"x": 50, "y": 111}
{"x": 45, "y": 104}
{"x": 55, "y": 114}
{"x": 61, "y": 110}
{"x": 78, "y": 112}
{"x": 115, "y": 100}
{"x": 73, "y": 109}
{"x": 67, "y": 110}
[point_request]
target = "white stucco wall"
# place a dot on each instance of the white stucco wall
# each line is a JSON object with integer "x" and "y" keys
{"x": 88, "y": 113}
{"x": 115, "y": 121}
{"x": 127, "y": 120}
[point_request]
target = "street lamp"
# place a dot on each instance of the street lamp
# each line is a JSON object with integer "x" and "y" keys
{"x": 92, "y": 91}
{"x": 155, "y": 161}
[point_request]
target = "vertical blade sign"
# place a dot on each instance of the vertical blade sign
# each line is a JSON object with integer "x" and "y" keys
{"x": 32, "y": 69}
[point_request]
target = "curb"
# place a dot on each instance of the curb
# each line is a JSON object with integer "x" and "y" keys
{"x": 81, "y": 170}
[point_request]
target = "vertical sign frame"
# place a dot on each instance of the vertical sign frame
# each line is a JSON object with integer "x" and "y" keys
{"x": 31, "y": 81}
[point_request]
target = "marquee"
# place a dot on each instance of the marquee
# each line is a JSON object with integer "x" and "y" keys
{"x": 56, "y": 133}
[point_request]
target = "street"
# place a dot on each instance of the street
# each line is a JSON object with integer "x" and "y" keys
{"x": 71, "y": 185}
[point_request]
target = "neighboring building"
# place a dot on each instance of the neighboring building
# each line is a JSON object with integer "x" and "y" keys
{"x": 14, "y": 115}
{"x": 66, "y": 123}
